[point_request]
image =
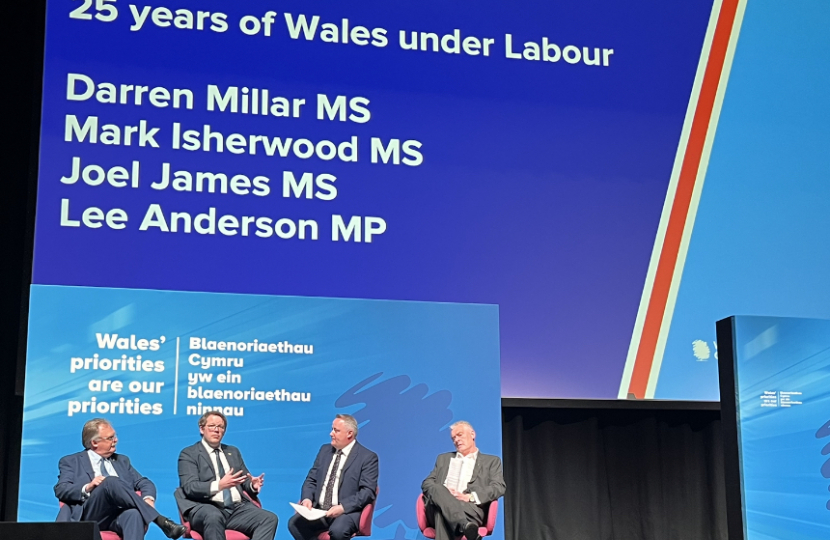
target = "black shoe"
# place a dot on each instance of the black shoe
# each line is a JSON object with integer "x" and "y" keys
{"x": 170, "y": 528}
{"x": 471, "y": 531}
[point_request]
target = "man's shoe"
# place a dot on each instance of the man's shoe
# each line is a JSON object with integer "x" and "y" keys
{"x": 471, "y": 531}
{"x": 170, "y": 528}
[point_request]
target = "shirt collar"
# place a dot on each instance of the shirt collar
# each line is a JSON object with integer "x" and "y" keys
{"x": 95, "y": 459}
{"x": 471, "y": 455}
{"x": 209, "y": 448}
{"x": 348, "y": 448}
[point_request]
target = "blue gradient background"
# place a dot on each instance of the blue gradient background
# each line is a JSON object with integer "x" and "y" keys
{"x": 760, "y": 245}
{"x": 406, "y": 370}
{"x": 784, "y": 450}
{"x": 541, "y": 188}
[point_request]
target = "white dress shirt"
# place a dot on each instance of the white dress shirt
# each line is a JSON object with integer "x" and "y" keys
{"x": 99, "y": 461}
{"x": 339, "y": 470}
{"x": 468, "y": 464}
{"x": 214, "y": 486}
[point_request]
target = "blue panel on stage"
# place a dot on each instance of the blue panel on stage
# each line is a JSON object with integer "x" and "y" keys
{"x": 285, "y": 367}
{"x": 782, "y": 374}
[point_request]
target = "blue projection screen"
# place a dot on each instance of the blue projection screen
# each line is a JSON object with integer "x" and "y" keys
{"x": 548, "y": 159}
{"x": 516, "y": 154}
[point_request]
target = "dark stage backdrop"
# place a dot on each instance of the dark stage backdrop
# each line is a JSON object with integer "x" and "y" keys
{"x": 22, "y": 50}
{"x": 593, "y": 474}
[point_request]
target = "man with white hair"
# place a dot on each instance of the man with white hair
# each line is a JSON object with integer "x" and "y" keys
{"x": 457, "y": 502}
{"x": 99, "y": 485}
{"x": 342, "y": 481}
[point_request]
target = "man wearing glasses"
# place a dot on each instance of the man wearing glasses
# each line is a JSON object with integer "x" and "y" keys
{"x": 217, "y": 490}
{"x": 99, "y": 485}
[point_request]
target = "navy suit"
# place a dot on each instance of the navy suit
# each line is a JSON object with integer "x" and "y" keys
{"x": 196, "y": 473}
{"x": 358, "y": 487}
{"x": 113, "y": 504}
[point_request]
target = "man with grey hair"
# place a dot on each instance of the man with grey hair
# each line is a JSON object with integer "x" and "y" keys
{"x": 99, "y": 485}
{"x": 342, "y": 481}
{"x": 456, "y": 502}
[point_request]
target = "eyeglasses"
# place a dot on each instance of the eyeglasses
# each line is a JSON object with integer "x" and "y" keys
{"x": 111, "y": 438}
{"x": 214, "y": 427}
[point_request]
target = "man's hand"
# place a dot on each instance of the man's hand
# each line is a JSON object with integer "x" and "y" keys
{"x": 335, "y": 511}
{"x": 94, "y": 484}
{"x": 151, "y": 502}
{"x": 306, "y": 503}
{"x": 257, "y": 481}
{"x": 460, "y": 496}
{"x": 231, "y": 479}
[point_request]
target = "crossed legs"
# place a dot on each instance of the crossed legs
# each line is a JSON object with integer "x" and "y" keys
{"x": 116, "y": 507}
{"x": 451, "y": 515}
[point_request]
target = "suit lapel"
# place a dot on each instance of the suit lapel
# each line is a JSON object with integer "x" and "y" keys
{"x": 203, "y": 454}
{"x": 349, "y": 460}
{"x": 116, "y": 465}
{"x": 86, "y": 465}
{"x": 476, "y": 468}
{"x": 233, "y": 459}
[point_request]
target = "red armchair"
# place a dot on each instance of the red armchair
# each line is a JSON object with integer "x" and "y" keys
{"x": 428, "y": 530}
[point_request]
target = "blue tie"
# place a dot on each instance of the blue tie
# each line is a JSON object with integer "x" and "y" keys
{"x": 104, "y": 471}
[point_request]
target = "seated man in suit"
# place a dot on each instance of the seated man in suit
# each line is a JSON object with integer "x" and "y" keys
{"x": 217, "y": 490}
{"x": 99, "y": 485}
{"x": 342, "y": 481}
{"x": 459, "y": 509}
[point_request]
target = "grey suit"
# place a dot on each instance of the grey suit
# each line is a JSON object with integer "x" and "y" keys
{"x": 196, "y": 473}
{"x": 449, "y": 514}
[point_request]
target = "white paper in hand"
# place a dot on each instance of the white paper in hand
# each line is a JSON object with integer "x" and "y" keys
{"x": 454, "y": 473}
{"x": 311, "y": 515}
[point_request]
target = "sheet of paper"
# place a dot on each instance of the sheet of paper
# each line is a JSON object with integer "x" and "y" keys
{"x": 454, "y": 473}
{"x": 311, "y": 515}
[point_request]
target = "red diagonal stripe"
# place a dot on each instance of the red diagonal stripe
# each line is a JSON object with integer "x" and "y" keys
{"x": 682, "y": 200}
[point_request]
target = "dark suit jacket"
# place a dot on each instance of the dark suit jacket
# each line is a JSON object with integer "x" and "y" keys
{"x": 487, "y": 480}
{"x": 76, "y": 471}
{"x": 196, "y": 474}
{"x": 358, "y": 480}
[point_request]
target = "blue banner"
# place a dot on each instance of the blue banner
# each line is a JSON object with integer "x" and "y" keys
{"x": 782, "y": 374}
{"x": 280, "y": 368}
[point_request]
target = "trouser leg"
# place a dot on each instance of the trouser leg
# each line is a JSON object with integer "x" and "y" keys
{"x": 253, "y": 521}
{"x": 209, "y": 521}
{"x": 451, "y": 514}
{"x": 129, "y": 525}
{"x": 303, "y": 529}
{"x": 343, "y": 526}
{"x": 111, "y": 498}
